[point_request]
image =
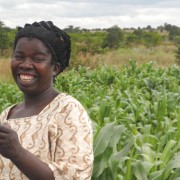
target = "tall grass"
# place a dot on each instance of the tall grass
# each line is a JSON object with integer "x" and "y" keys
{"x": 162, "y": 56}
{"x": 5, "y": 72}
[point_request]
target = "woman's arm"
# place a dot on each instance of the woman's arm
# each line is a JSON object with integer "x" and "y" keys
{"x": 72, "y": 151}
{"x": 26, "y": 162}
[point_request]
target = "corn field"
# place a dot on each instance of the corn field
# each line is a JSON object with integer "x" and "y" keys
{"x": 135, "y": 112}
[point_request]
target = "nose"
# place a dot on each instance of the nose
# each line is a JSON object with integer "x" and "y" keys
{"x": 26, "y": 64}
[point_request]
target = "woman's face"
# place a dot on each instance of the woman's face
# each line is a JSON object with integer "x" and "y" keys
{"x": 32, "y": 66}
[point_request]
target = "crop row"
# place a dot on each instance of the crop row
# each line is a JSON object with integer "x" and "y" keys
{"x": 135, "y": 113}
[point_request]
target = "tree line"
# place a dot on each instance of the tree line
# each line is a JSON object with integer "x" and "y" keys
{"x": 101, "y": 40}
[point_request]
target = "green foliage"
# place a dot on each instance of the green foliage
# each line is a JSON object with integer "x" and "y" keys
{"x": 11, "y": 35}
{"x": 147, "y": 38}
{"x": 135, "y": 113}
{"x": 152, "y": 39}
{"x": 3, "y": 38}
{"x": 9, "y": 95}
{"x": 89, "y": 42}
{"x": 114, "y": 38}
{"x": 177, "y": 40}
{"x": 6, "y": 38}
{"x": 85, "y": 44}
{"x": 173, "y": 30}
{"x": 178, "y": 55}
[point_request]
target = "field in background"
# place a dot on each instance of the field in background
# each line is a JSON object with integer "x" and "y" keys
{"x": 135, "y": 111}
{"x": 162, "y": 56}
{"x": 132, "y": 97}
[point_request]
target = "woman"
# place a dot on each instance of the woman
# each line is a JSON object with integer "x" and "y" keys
{"x": 48, "y": 135}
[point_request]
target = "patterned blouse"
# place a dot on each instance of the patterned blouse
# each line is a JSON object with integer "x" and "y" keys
{"x": 60, "y": 135}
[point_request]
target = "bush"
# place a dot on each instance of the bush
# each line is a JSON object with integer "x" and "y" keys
{"x": 178, "y": 55}
{"x": 114, "y": 38}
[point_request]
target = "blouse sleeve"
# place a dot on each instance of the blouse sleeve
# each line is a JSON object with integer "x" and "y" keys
{"x": 72, "y": 151}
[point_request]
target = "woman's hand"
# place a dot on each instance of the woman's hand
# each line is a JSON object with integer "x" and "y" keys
{"x": 10, "y": 146}
{"x": 27, "y": 163}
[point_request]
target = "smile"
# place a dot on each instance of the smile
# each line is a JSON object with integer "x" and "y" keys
{"x": 26, "y": 78}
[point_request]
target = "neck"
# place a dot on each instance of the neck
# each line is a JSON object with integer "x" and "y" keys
{"x": 42, "y": 98}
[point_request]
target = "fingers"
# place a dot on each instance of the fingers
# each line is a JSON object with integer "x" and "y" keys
{"x": 3, "y": 135}
{"x": 7, "y": 125}
{"x": 3, "y": 144}
{"x": 4, "y": 140}
{"x": 5, "y": 128}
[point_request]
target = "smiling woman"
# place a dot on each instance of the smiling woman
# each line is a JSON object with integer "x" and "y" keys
{"x": 49, "y": 135}
{"x": 32, "y": 66}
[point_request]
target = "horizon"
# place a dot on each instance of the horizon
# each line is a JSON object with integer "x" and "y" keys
{"x": 91, "y": 14}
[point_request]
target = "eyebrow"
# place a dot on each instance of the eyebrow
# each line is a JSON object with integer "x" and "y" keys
{"x": 36, "y": 53}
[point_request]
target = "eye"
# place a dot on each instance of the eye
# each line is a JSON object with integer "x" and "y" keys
{"x": 38, "y": 59}
{"x": 17, "y": 57}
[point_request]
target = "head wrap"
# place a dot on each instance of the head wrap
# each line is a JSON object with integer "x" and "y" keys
{"x": 56, "y": 40}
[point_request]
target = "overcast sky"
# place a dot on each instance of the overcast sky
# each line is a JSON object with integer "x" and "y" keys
{"x": 91, "y": 14}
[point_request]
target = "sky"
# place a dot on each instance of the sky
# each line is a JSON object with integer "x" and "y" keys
{"x": 91, "y": 14}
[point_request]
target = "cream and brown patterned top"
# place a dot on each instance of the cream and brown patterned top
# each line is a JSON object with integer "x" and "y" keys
{"x": 61, "y": 136}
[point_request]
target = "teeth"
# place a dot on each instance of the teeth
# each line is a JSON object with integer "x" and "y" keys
{"x": 26, "y": 77}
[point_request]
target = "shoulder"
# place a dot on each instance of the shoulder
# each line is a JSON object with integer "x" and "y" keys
{"x": 65, "y": 105}
{"x": 66, "y": 100}
{"x": 71, "y": 108}
{"x": 4, "y": 114}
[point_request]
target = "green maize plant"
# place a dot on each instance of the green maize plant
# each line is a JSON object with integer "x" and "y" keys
{"x": 135, "y": 112}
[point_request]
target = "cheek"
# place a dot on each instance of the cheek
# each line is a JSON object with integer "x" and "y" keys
{"x": 44, "y": 71}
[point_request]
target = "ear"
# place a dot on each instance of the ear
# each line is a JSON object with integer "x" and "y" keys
{"x": 57, "y": 69}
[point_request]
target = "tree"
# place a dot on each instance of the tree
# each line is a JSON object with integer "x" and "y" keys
{"x": 161, "y": 28}
{"x": 114, "y": 38}
{"x": 177, "y": 40}
{"x": 178, "y": 55}
{"x": 149, "y": 27}
{"x": 173, "y": 30}
{"x": 151, "y": 39}
{"x": 3, "y": 38}
{"x": 72, "y": 29}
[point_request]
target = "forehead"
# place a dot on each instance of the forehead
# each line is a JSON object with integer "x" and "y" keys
{"x": 32, "y": 43}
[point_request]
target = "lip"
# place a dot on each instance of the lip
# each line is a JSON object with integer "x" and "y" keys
{"x": 26, "y": 73}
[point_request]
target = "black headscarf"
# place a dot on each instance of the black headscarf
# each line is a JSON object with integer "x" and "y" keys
{"x": 56, "y": 40}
